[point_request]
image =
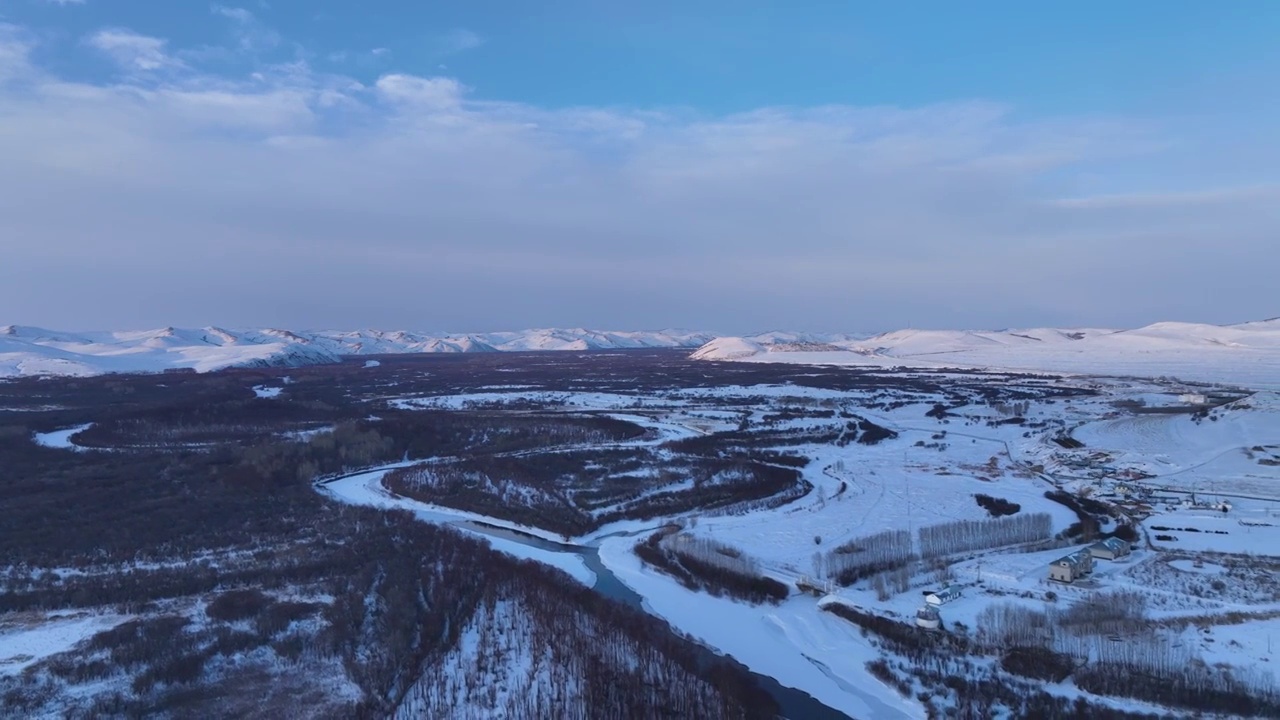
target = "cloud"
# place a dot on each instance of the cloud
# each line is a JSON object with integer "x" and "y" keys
{"x": 63, "y": 3}
{"x": 1215, "y": 196}
{"x": 239, "y": 15}
{"x": 421, "y": 93}
{"x": 133, "y": 51}
{"x": 251, "y": 34}
{"x": 456, "y": 41}
{"x": 369, "y": 58}
{"x": 302, "y": 198}
{"x": 15, "y": 50}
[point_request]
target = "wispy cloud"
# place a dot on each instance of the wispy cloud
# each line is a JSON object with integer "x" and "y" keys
{"x": 300, "y": 197}
{"x": 15, "y": 47}
{"x": 239, "y": 15}
{"x": 1212, "y": 196}
{"x": 250, "y": 33}
{"x": 456, "y": 41}
{"x": 365, "y": 58}
{"x": 133, "y": 51}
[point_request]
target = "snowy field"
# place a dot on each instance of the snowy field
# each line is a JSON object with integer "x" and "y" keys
{"x": 1203, "y": 530}
{"x": 1199, "y": 483}
{"x": 26, "y": 638}
{"x": 796, "y": 643}
{"x": 929, "y": 474}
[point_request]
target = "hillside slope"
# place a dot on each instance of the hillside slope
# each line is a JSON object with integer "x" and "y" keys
{"x": 1247, "y": 353}
{"x": 40, "y": 352}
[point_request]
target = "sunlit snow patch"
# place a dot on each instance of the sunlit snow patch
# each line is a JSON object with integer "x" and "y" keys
{"x": 23, "y": 643}
{"x": 61, "y": 439}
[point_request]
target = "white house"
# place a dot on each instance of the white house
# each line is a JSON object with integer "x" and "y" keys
{"x": 943, "y": 596}
{"x": 1071, "y": 567}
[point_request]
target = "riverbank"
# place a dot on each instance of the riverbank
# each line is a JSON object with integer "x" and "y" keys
{"x": 809, "y": 661}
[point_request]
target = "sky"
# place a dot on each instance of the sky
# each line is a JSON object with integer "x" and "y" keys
{"x": 728, "y": 166}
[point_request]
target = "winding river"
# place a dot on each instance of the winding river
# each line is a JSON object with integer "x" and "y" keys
{"x": 365, "y": 488}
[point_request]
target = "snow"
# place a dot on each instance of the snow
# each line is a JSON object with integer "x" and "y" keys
{"x": 267, "y": 392}
{"x": 494, "y": 662}
{"x": 1230, "y": 452}
{"x": 1255, "y": 644}
{"x": 61, "y": 439}
{"x": 38, "y": 352}
{"x": 796, "y": 643}
{"x": 25, "y": 640}
{"x": 887, "y": 488}
{"x": 1202, "y": 568}
{"x": 306, "y": 435}
{"x": 1247, "y": 354}
{"x": 34, "y": 351}
{"x": 900, "y": 485}
{"x": 584, "y": 401}
{"x": 372, "y": 364}
{"x": 728, "y": 348}
{"x": 1205, "y": 530}
{"x": 366, "y": 489}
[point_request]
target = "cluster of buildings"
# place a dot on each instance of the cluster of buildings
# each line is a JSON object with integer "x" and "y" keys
{"x": 1069, "y": 568}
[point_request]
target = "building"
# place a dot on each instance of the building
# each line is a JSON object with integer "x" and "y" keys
{"x": 943, "y": 596}
{"x": 1084, "y": 559}
{"x": 928, "y": 618}
{"x": 1113, "y": 548}
{"x": 1064, "y": 570}
{"x": 1071, "y": 567}
{"x": 1194, "y": 399}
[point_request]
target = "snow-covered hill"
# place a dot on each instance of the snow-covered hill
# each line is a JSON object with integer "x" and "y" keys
{"x": 1248, "y": 353}
{"x": 36, "y": 351}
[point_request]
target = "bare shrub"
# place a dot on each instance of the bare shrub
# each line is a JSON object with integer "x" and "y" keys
{"x": 237, "y": 605}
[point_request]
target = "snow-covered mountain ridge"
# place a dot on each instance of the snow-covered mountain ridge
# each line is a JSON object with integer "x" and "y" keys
{"x": 1246, "y": 353}
{"x": 37, "y": 351}
{"x": 1223, "y": 353}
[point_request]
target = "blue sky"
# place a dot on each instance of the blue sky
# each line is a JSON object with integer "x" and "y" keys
{"x": 488, "y": 165}
{"x": 1143, "y": 56}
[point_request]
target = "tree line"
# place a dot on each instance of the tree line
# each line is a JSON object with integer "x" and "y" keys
{"x": 967, "y": 535}
{"x": 713, "y": 567}
{"x": 891, "y": 550}
{"x": 1106, "y": 644}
